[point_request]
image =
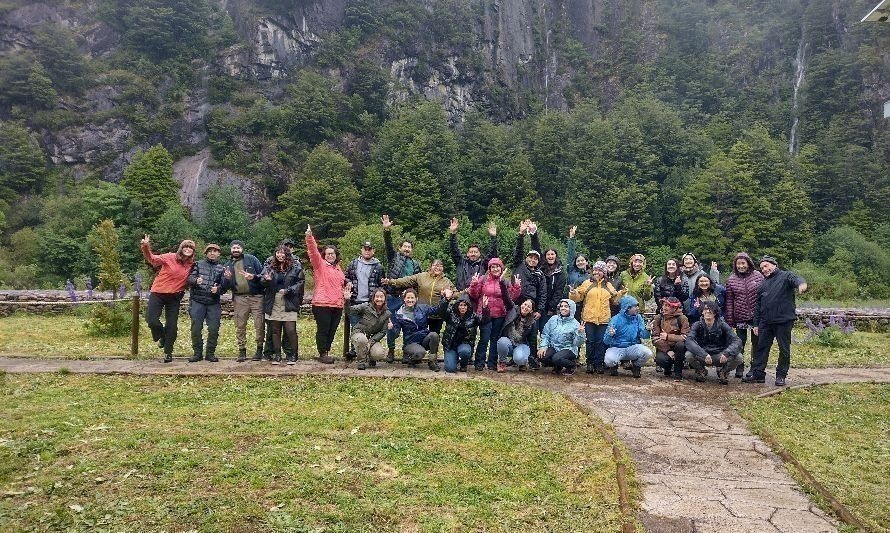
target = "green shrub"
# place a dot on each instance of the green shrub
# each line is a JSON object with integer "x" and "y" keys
{"x": 827, "y": 284}
{"x": 832, "y": 337}
{"x": 109, "y": 321}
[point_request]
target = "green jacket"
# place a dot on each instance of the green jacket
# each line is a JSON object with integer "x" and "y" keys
{"x": 370, "y": 322}
{"x": 636, "y": 286}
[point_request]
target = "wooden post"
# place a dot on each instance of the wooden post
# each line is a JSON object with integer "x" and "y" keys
{"x": 134, "y": 328}
{"x": 346, "y": 330}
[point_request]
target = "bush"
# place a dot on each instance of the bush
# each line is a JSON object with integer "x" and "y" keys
{"x": 827, "y": 284}
{"x": 109, "y": 321}
{"x": 832, "y": 337}
{"x": 868, "y": 260}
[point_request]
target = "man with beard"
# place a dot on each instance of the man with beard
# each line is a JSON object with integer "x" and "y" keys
{"x": 242, "y": 274}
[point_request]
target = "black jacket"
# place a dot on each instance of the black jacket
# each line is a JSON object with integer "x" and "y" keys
{"x": 291, "y": 281}
{"x": 533, "y": 285}
{"x": 396, "y": 263}
{"x": 554, "y": 287}
{"x": 251, "y": 265}
{"x": 721, "y": 338}
{"x": 776, "y": 298}
{"x": 464, "y": 268}
{"x": 666, "y": 288}
{"x": 460, "y": 329}
{"x": 373, "y": 280}
{"x": 211, "y": 273}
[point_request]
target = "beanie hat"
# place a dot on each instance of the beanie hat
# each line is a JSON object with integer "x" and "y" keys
{"x": 769, "y": 259}
{"x": 236, "y": 242}
{"x": 613, "y": 258}
{"x": 599, "y": 265}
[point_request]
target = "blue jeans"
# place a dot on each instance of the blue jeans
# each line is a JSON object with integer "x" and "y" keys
{"x": 393, "y": 303}
{"x": 488, "y": 344}
{"x": 595, "y": 350}
{"x": 461, "y": 354}
{"x": 520, "y": 352}
{"x": 636, "y": 354}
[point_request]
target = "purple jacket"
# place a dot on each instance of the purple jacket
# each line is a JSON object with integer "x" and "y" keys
{"x": 741, "y": 292}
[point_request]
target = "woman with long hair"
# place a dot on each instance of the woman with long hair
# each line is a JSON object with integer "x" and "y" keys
{"x": 283, "y": 280}
{"x": 706, "y": 290}
{"x": 327, "y": 300}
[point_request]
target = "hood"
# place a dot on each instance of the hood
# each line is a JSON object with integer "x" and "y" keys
{"x": 672, "y": 312}
{"x": 626, "y": 303}
{"x": 496, "y": 261}
{"x": 466, "y": 299}
{"x": 372, "y": 261}
{"x": 747, "y": 258}
{"x": 572, "y": 308}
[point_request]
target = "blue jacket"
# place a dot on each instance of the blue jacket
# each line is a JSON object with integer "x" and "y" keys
{"x": 561, "y": 332}
{"x": 629, "y": 330}
{"x": 695, "y": 310}
{"x": 413, "y": 330}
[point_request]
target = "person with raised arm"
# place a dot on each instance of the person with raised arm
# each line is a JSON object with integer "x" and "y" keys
{"x": 533, "y": 286}
{"x": 166, "y": 291}
{"x": 206, "y": 285}
{"x": 500, "y": 294}
{"x": 327, "y": 300}
{"x": 473, "y": 262}
{"x": 429, "y": 286}
{"x": 400, "y": 264}
{"x": 577, "y": 265}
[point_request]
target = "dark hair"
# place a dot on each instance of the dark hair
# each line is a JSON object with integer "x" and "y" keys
{"x": 411, "y": 290}
{"x": 712, "y": 306}
{"x": 474, "y": 245}
{"x": 408, "y": 241}
{"x": 674, "y": 259}
{"x": 696, "y": 291}
{"x": 374, "y": 293}
{"x": 322, "y": 249}
{"x": 282, "y": 266}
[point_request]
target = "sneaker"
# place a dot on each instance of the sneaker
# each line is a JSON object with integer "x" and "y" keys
{"x": 533, "y": 363}
{"x": 195, "y": 358}
{"x": 600, "y": 370}
{"x": 434, "y": 366}
{"x": 493, "y": 368}
{"x": 291, "y": 360}
{"x": 522, "y": 368}
{"x": 168, "y": 358}
{"x": 678, "y": 377}
{"x": 590, "y": 369}
{"x": 276, "y": 360}
{"x": 462, "y": 368}
{"x": 780, "y": 381}
{"x": 613, "y": 370}
{"x": 350, "y": 355}
{"x": 753, "y": 379}
{"x": 362, "y": 366}
{"x": 659, "y": 369}
{"x": 325, "y": 358}
{"x": 502, "y": 367}
{"x": 700, "y": 375}
{"x": 479, "y": 368}
{"x": 242, "y": 355}
{"x": 636, "y": 371}
{"x": 722, "y": 376}
{"x": 568, "y": 371}
{"x": 212, "y": 359}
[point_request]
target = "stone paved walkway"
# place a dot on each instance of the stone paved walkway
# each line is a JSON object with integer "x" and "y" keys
{"x": 699, "y": 466}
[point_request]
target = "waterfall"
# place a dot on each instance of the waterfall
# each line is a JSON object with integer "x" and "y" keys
{"x": 799, "y": 71}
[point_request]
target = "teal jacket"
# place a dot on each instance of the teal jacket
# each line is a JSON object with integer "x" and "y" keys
{"x": 561, "y": 332}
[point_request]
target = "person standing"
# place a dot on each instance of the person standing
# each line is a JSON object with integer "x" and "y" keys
{"x": 705, "y": 290}
{"x": 473, "y": 262}
{"x": 269, "y": 349}
{"x": 595, "y": 295}
{"x": 577, "y": 265}
{"x": 400, "y": 264}
{"x": 365, "y": 273}
{"x": 670, "y": 285}
{"x": 554, "y": 284}
{"x": 283, "y": 280}
{"x": 500, "y": 294}
{"x": 206, "y": 284}
{"x": 636, "y": 282}
{"x": 741, "y": 300}
{"x": 774, "y": 315}
{"x": 531, "y": 280}
{"x": 327, "y": 300}
{"x": 691, "y": 270}
{"x": 166, "y": 292}
{"x": 373, "y": 320}
{"x": 242, "y": 274}
{"x": 613, "y": 276}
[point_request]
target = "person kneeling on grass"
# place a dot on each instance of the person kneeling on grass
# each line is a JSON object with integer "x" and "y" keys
{"x": 561, "y": 338}
{"x": 625, "y": 336}
{"x": 461, "y": 324}
{"x": 520, "y": 327}
{"x": 372, "y": 319}
{"x": 669, "y": 329}
{"x": 411, "y": 320}
{"x": 712, "y": 342}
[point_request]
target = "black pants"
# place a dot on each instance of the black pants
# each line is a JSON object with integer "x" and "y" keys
{"x": 434, "y": 324}
{"x": 561, "y": 359}
{"x": 327, "y": 320}
{"x": 781, "y": 333}
{"x": 417, "y": 350}
{"x": 290, "y": 331}
{"x": 200, "y": 313}
{"x": 269, "y": 350}
{"x": 743, "y": 335}
{"x": 676, "y": 364}
{"x": 169, "y": 305}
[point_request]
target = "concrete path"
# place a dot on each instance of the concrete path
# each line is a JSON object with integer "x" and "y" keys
{"x": 699, "y": 467}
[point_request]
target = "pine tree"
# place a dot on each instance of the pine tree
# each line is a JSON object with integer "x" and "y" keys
{"x": 22, "y": 162}
{"x": 149, "y": 179}
{"x": 105, "y": 241}
{"x": 225, "y": 215}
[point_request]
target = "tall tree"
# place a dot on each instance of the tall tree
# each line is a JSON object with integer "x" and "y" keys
{"x": 149, "y": 179}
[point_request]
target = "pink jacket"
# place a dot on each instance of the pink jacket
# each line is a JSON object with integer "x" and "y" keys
{"x": 488, "y": 285}
{"x": 173, "y": 276}
{"x": 329, "y": 279}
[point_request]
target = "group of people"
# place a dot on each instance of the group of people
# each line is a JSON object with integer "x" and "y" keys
{"x": 539, "y": 315}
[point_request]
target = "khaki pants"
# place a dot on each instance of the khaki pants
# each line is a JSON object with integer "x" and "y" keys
{"x": 245, "y": 305}
{"x": 377, "y": 350}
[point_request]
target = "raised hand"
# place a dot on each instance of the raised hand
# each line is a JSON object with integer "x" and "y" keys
{"x": 572, "y": 231}
{"x": 581, "y": 327}
{"x": 532, "y": 227}
{"x": 453, "y": 226}
{"x": 475, "y": 278}
{"x": 247, "y": 275}
{"x": 650, "y": 280}
{"x": 523, "y": 226}
{"x": 492, "y": 229}
{"x": 713, "y": 265}
{"x": 387, "y": 223}
{"x": 484, "y": 302}
{"x": 308, "y": 230}
{"x": 517, "y": 280}
{"x": 447, "y": 293}
{"x": 145, "y": 239}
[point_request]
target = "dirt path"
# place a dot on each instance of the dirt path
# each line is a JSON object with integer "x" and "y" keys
{"x": 699, "y": 467}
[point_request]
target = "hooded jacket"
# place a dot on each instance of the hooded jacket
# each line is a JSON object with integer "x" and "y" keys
{"x": 429, "y": 287}
{"x": 399, "y": 264}
{"x": 371, "y": 322}
{"x": 674, "y": 323}
{"x": 173, "y": 275}
{"x": 291, "y": 281}
{"x": 776, "y": 297}
{"x": 596, "y": 297}
{"x": 412, "y": 330}
{"x": 329, "y": 279}
{"x": 629, "y": 330}
{"x": 561, "y": 332}
{"x": 533, "y": 285}
{"x": 635, "y": 285}
{"x": 574, "y": 276}
{"x": 493, "y": 287}
{"x": 211, "y": 274}
{"x": 460, "y": 329}
{"x": 741, "y": 292}
{"x": 526, "y": 327}
{"x": 719, "y": 338}
{"x": 370, "y": 271}
{"x": 554, "y": 284}
{"x": 464, "y": 268}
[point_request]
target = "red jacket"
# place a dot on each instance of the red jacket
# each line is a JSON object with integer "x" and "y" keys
{"x": 173, "y": 276}
{"x": 329, "y": 279}
{"x": 741, "y": 293}
{"x": 490, "y": 286}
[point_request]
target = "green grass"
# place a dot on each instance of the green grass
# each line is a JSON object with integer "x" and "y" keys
{"x": 841, "y": 434}
{"x": 65, "y": 336}
{"x": 302, "y": 454}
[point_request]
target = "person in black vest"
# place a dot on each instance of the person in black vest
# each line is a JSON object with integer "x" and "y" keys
{"x": 205, "y": 287}
{"x": 473, "y": 262}
{"x": 774, "y": 315}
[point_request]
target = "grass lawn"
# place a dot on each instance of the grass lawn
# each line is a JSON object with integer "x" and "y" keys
{"x": 65, "y": 336}
{"x": 301, "y": 454}
{"x": 841, "y": 434}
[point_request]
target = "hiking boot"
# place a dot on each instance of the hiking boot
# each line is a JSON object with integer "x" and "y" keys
{"x": 740, "y": 371}
{"x": 753, "y": 379}
{"x": 502, "y": 367}
{"x": 479, "y": 368}
{"x": 291, "y": 359}
{"x": 659, "y": 369}
{"x": 168, "y": 358}
{"x": 372, "y": 363}
{"x": 613, "y": 370}
{"x": 533, "y": 363}
{"x": 700, "y": 375}
{"x": 722, "y": 376}
{"x": 391, "y": 356}
{"x": 636, "y": 371}
{"x": 780, "y": 381}
{"x": 362, "y": 366}
{"x": 493, "y": 368}
{"x": 242, "y": 355}
{"x": 590, "y": 368}
{"x": 325, "y": 358}
{"x": 568, "y": 371}
{"x": 276, "y": 360}
{"x": 522, "y": 368}
{"x": 350, "y": 355}
{"x": 195, "y": 358}
{"x": 462, "y": 368}
{"x": 212, "y": 358}
{"x": 433, "y": 365}
{"x": 258, "y": 356}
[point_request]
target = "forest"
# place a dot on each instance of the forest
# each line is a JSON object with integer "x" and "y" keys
{"x": 659, "y": 127}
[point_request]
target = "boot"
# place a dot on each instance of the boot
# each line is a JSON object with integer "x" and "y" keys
{"x": 636, "y": 371}
{"x": 391, "y": 355}
{"x": 258, "y": 356}
{"x": 168, "y": 357}
{"x": 212, "y": 358}
{"x": 325, "y": 358}
{"x": 195, "y": 358}
{"x": 434, "y": 366}
{"x": 350, "y": 355}
{"x": 242, "y": 355}
{"x": 291, "y": 359}
{"x": 276, "y": 359}
{"x": 613, "y": 370}
{"x": 740, "y": 371}
{"x": 590, "y": 368}
{"x": 533, "y": 363}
